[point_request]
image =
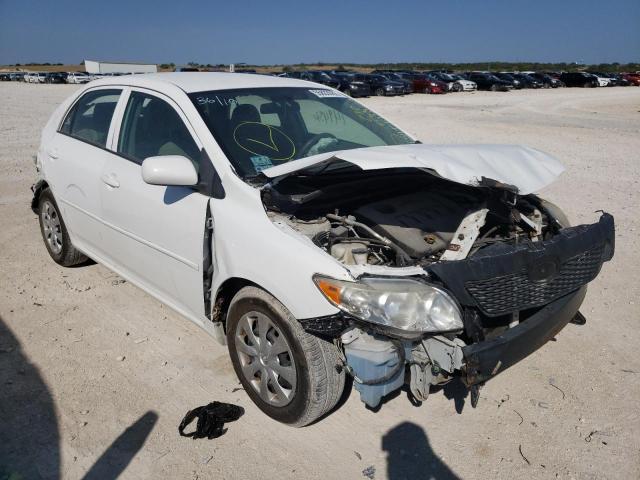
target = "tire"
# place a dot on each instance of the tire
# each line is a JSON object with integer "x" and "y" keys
{"x": 588, "y": 85}
{"x": 427, "y": 90}
{"x": 54, "y": 232}
{"x": 379, "y": 92}
{"x": 457, "y": 87}
{"x": 347, "y": 92}
{"x": 494, "y": 88}
{"x": 294, "y": 400}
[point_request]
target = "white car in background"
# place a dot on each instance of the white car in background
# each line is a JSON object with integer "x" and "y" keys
{"x": 312, "y": 236}
{"x": 77, "y": 77}
{"x": 35, "y": 77}
{"x": 602, "y": 81}
{"x": 467, "y": 85}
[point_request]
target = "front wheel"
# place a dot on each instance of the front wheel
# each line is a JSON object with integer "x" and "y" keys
{"x": 290, "y": 375}
{"x": 380, "y": 92}
{"x": 494, "y": 88}
{"x": 55, "y": 234}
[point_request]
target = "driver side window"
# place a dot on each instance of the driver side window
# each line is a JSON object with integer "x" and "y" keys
{"x": 151, "y": 127}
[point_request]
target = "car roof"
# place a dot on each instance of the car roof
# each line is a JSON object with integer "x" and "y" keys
{"x": 204, "y": 81}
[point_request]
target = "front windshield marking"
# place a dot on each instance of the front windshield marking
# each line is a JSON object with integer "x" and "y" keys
{"x": 262, "y": 127}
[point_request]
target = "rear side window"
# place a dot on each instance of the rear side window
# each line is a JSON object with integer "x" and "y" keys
{"x": 151, "y": 127}
{"x": 90, "y": 117}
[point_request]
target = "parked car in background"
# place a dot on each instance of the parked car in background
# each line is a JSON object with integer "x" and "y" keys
{"x": 467, "y": 85}
{"x": 547, "y": 80}
{"x": 603, "y": 79}
{"x": 620, "y": 81}
{"x": 579, "y": 79}
{"x": 315, "y": 239}
{"x": 56, "y": 77}
{"x": 77, "y": 77}
{"x": 352, "y": 84}
{"x": 527, "y": 81}
{"x": 316, "y": 76}
{"x": 452, "y": 85}
{"x": 382, "y": 86}
{"x": 508, "y": 77}
{"x": 488, "y": 81}
{"x": 419, "y": 82}
{"x": 397, "y": 77}
{"x": 39, "y": 77}
{"x": 423, "y": 83}
{"x": 632, "y": 78}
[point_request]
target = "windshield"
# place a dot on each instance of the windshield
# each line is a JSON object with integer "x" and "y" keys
{"x": 262, "y": 127}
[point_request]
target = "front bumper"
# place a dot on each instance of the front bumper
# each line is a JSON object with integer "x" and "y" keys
{"x": 485, "y": 360}
{"x": 503, "y": 279}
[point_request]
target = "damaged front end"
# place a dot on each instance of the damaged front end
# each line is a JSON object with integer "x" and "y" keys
{"x": 447, "y": 279}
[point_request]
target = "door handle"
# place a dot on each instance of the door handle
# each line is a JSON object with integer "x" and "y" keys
{"x": 53, "y": 153}
{"x": 110, "y": 180}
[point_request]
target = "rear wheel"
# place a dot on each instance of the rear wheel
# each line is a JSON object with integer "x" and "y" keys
{"x": 55, "y": 234}
{"x": 290, "y": 375}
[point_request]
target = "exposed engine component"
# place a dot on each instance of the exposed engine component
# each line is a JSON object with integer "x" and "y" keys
{"x": 387, "y": 226}
{"x": 422, "y": 223}
{"x": 376, "y": 364}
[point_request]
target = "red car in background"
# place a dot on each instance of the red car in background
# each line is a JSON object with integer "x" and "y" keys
{"x": 632, "y": 78}
{"x": 425, "y": 84}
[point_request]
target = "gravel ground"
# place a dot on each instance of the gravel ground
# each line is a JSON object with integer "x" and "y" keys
{"x": 95, "y": 375}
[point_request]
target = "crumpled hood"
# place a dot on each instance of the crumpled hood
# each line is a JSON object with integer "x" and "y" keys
{"x": 514, "y": 167}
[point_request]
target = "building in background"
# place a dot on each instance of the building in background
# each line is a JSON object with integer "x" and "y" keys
{"x": 92, "y": 66}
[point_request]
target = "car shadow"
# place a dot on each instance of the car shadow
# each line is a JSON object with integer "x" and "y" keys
{"x": 409, "y": 455}
{"x": 123, "y": 449}
{"x": 173, "y": 194}
{"x": 458, "y": 392}
{"x": 29, "y": 433}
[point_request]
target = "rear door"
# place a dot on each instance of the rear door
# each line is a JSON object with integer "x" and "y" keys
{"x": 156, "y": 233}
{"x": 78, "y": 155}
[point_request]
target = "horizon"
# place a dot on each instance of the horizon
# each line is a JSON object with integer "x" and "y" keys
{"x": 585, "y": 32}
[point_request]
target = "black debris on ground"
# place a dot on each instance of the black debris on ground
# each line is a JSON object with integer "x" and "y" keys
{"x": 211, "y": 420}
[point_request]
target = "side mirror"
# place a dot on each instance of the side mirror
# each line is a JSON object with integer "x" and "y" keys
{"x": 169, "y": 170}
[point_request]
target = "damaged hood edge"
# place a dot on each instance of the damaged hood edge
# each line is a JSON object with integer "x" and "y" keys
{"x": 513, "y": 167}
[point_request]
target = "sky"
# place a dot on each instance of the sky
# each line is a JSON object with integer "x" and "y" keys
{"x": 286, "y": 31}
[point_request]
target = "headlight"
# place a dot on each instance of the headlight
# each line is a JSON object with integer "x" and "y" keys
{"x": 398, "y": 303}
{"x": 388, "y": 87}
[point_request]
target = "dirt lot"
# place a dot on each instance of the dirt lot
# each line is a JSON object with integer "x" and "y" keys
{"x": 95, "y": 375}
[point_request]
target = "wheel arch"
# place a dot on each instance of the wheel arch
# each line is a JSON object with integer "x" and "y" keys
{"x": 224, "y": 294}
{"x": 37, "y": 190}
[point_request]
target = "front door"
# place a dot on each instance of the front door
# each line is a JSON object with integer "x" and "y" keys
{"x": 156, "y": 233}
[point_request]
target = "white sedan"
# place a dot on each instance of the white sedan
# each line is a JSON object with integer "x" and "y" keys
{"x": 312, "y": 236}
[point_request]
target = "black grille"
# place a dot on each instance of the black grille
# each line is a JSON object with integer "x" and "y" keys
{"x": 517, "y": 291}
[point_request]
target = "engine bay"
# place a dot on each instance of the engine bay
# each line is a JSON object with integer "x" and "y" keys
{"x": 400, "y": 219}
